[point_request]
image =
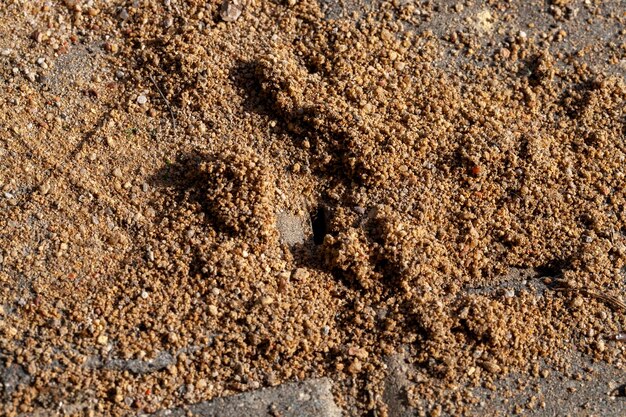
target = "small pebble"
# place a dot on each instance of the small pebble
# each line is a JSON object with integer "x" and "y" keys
{"x": 267, "y": 300}
{"x": 142, "y": 99}
{"x": 300, "y": 274}
{"x": 213, "y": 310}
{"x": 123, "y": 15}
{"x": 355, "y": 367}
{"x": 102, "y": 339}
{"x": 231, "y": 10}
{"x": 490, "y": 367}
{"x": 577, "y": 302}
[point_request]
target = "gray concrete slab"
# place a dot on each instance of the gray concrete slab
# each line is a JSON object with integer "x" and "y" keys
{"x": 312, "y": 398}
{"x": 599, "y": 390}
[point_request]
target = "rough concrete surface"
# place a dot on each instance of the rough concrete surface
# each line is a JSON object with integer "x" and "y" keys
{"x": 587, "y": 388}
{"x": 311, "y": 398}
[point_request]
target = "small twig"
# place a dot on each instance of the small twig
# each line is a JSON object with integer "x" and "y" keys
{"x": 614, "y": 302}
{"x": 167, "y": 103}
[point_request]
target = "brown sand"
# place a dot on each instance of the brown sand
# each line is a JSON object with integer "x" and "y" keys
{"x": 147, "y": 157}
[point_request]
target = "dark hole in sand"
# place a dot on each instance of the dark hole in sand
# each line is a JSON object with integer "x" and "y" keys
{"x": 319, "y": 224}
{"x": 552, "y": 269}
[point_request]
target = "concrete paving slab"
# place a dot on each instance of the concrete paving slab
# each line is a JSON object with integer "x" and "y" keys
{"x": 600, "y": 391}
{"x": 312, "y": 398}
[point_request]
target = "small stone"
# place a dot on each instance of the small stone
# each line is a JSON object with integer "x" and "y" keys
{"x": 300, "y": 274}
{"x": 213, "y": 310}
{"x": 123, "y": 15}
{"x": 117, "y": 172}
{"x": 355, "y": 366}
{"x": 201, "y": 383}
{"x": 489, "y": 366}
{"x": 141, "y": 100}
{"x": 600, "y": 346}
{"x": 114, "y": 239}
{"x": 102, "y": 339}
{"x": 358, "y": 352}
{"x": 267, "y": 300}
{"x": 173, "y": 337}
{"x": 144, "y": 294}
{"x": 231, "y": 10}
{"x": 578, "y": 302}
